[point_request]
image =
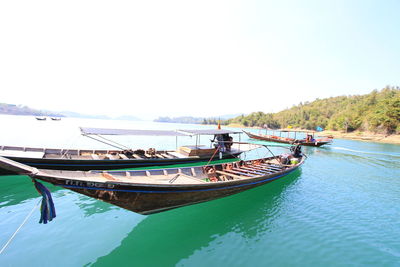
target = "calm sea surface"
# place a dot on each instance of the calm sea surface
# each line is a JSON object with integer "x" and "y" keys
{"x": 341, "y": 208}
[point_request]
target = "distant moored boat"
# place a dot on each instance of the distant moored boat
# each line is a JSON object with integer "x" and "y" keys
{"x": 308, "y": 141}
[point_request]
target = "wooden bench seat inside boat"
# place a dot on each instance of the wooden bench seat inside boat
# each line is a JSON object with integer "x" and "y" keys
{"x": 234, "y": 176}
{"x": 122, "y": 156}
{"x": 196, "y": 150}
{"x": 167, "y": 156}
{"x": 252, "y": 171}
{"x": 178, "y": 178}
{"x": 111, "y": 157}
{"x": 177, "y": 154}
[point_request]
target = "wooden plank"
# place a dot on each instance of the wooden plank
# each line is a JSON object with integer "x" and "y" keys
{"x": 232, "y": 175}
{"x": 14, "y": 153}
{"x": 181, "y": 178}
{"x": 123, "y": 156}
{"x": 257, "y": 167}
{"x": 266, "y": 169}
{"x": 111, "y": 157}
{"x": 137, "y": 156}
{"x": 241, "y": 173}
{"x": 258, "y": 172}
{"x": 271, "y": 167}
{"x": 177, "y": 155}
{"x": 165, "y": 155}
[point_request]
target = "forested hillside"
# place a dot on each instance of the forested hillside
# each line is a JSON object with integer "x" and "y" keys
{"x": 190, "y": 120}
{"x": 378, "y": 111}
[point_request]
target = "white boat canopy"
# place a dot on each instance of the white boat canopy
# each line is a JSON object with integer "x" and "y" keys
{"x": 209, "y": 132}
{"x": 105, "y": 131}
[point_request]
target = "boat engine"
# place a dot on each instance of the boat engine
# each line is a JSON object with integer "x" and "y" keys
{"x": 296, "y": 151}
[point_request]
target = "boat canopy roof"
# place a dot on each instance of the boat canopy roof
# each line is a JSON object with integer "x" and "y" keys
{"x": 106, "y": 131}
{"x": 209, "y": 131}
{"x": 293, "y": 130}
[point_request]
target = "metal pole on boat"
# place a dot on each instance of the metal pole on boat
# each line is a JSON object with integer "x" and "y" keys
{"x": 240, "y": 135}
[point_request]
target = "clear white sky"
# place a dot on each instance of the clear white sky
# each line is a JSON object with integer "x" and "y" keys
{"x": 196, "y": 58}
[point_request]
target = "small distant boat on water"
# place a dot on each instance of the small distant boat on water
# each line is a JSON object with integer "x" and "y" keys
{"x": 122, "y": 157}
{"x": 157, "y": 190}
{"x": 55, "y": 118}
{"x": 41, "y": 118}
{"x": 310, "y": 140}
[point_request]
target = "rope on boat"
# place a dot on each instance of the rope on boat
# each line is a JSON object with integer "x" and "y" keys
{"x": 119, "y": 146}
{"x": 71, "y": 141}
{"x": 47, "y": 209}
{"x": 19, "y": 228}
{"x": 112, "y": 141}
{"x": 212, "y": 156}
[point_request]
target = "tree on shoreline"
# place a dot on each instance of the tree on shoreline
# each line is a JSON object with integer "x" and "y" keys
{"x": 378, "y": 111}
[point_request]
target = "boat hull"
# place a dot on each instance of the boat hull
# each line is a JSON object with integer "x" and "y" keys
{"x": 315, "y": 144}
{"x": 290, "y": 141}
{"x": 270, "y": 139}
{"x": 149, "y": 199}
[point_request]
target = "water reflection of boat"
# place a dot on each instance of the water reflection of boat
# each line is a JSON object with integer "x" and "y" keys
{"x": 122, "y": 157}
{"x": 309, "y": 140}
{"x": 152, "y": 191}
{"x": 249, "y": 214}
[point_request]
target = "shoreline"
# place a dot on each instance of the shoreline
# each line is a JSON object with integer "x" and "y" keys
{"x": 364, "y": 136}
{"x": 356, "y": 135}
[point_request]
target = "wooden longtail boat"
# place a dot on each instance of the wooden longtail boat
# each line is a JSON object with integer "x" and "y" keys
{"x": 152, "y": 191}
{"x": 41, "y": 118}
{"x": 122, "y": 158}
{"x": 310, "y": 141}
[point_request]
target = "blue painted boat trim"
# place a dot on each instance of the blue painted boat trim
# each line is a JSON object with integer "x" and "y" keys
{"x": 177, "y": 191}
{"x": 111, "y": 164}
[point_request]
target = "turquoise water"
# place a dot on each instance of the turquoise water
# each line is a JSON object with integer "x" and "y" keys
{"x": 341, "y": 208}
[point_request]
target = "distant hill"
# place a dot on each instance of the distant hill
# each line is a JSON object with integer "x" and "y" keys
{"x": 229, "y": 116}
{"x": 190, "y": 120}
{"x": 195, "y": 120}
{"x": 378, "y": 111}
{"x": 79, "y": 115}
{"x": 12, "y": 109}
